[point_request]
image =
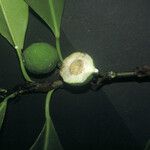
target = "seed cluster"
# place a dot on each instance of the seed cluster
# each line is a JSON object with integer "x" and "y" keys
{"x": 76, "y": 67}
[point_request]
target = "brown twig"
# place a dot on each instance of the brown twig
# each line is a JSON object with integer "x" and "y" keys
{"x": 97, "y": 82}
{"x": 112, "y": 76}
{"x": 43, "y": 87}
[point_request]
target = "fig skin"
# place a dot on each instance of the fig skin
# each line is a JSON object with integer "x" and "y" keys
{"x": 40, "y": 58}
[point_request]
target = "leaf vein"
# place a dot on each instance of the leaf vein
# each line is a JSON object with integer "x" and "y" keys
{"x": 7, "y": 22}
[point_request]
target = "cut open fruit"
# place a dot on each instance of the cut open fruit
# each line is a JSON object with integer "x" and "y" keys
{"x": 78, "y": 69}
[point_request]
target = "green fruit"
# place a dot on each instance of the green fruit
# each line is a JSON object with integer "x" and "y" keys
{"x": 40, "y": 58}
{"x": 78, "y": 69}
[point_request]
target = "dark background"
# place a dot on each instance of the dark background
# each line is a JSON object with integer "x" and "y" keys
{"x": 116, "y": 33}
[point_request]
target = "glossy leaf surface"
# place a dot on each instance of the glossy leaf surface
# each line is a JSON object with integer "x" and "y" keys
{"x": 50, "y": 11}
{"x": 47, "y": 139}
{"x": 13, "y": 21}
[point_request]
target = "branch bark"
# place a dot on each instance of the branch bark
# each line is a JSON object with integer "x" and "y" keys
{"x": 139, "y": 74}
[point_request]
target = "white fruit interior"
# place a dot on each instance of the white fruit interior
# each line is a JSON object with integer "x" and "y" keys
{"x": 77, "y": 68}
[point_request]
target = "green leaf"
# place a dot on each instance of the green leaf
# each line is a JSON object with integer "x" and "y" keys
{"x": 147, "y": 147}
{"x": 13, "y": 21}
{"x": 47, "y": 139}
{"x": 50, "y": 11}
{"x": 3, "y": 106}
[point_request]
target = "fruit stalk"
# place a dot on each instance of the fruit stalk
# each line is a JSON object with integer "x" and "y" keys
{"x": 24, "y": 72}
{"x": 58, "y": 49}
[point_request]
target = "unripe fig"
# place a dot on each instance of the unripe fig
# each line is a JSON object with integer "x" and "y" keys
{"x": 40, "y": 58}
{"x": 78, "y": 69}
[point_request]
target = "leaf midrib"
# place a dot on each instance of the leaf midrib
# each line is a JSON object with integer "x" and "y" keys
{"x": 7, "y": 22}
